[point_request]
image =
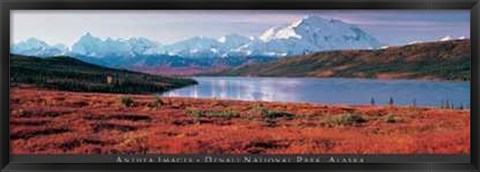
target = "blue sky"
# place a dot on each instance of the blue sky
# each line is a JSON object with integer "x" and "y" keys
{"x": 392, "y": 27}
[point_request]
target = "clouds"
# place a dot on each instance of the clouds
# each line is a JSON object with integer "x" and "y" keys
{"x": 389, "y": 26}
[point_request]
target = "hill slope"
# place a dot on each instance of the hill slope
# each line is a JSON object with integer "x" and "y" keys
{"x": 69, "y": 74}
{"x": 448, "y": 60}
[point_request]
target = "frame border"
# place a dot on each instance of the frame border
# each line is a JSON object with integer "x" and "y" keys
{"x": 7, "y": 5}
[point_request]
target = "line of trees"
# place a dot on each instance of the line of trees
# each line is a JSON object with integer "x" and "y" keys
{"x": 444, "y": 104}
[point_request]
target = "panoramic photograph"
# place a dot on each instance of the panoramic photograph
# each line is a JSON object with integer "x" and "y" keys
{"x": 268, "y": 82}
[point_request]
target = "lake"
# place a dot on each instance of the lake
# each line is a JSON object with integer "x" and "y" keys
{"x": 328, "y": 90}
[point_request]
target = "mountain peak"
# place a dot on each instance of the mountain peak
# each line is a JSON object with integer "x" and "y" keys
{"x": 289, "y": 31}
{"x": 449, "y": 38}
{"x": 313, "y": 23}
{"x": 279, "y": 33}
{"x": 87, "y": 34}
{"x": 201, "y": 37}
{"x": 35, "y": 47}
{"x": 35, "y": 41}
{"x": 231, "y": 37}
{"x": 314, "y": 33}
{"x": 313, "y": 17}
{"x": 32, "y": 39}
{"x": 140, "y": 39}
{"x": 446, "y": 38}
{"x": 315, "y": 20}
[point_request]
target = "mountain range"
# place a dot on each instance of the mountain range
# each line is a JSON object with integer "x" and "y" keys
{"x": 310, "y": 34}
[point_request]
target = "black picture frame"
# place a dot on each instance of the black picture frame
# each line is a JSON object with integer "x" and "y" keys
{"x": 8, "y": 5}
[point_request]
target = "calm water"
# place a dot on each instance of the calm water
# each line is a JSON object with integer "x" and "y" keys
{"x": 338, "y": 91}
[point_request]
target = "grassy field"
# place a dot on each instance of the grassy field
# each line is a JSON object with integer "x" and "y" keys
{"x": 60, "y": 122}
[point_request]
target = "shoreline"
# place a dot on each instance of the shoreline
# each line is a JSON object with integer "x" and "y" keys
{"x": 158, "y": 95}
{"x": 353, "y": 78}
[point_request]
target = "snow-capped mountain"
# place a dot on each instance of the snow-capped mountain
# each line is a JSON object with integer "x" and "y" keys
{"x": 198, "y": 47}
{"x": 91, "y": 46}
{"x": 144, "y": 46}
{"x": 193, "y": 47}
{"x": 442, "y": 39}
{"x": 229, "y": 43}
{"x": 88, "y": 45}
{"x": 311, "y": 34}
{"x": 446, "y": 38}
{"x": 35, "y": 47}
{"x": 414, "y": 42}
{"x": 449, "y": 38}
{"x": 233, "y": 41}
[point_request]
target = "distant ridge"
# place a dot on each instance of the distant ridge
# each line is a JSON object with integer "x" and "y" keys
{"x": 69, "y": 74}
{"x": 444, "y": 60}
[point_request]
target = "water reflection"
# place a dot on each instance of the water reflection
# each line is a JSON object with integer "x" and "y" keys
{"x": 338, "y": 91}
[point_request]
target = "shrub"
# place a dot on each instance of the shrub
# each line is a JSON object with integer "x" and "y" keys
{"x": 194, "y": 112}
{"x": 222, "y": 114}
{"x": 157, "y": 103}
{"x": 250, "y": 117}
{"x": 52, "y": 114}
{"x": 391, "y": 118}
{"x": 266, "y": 113}
{"x": 257, "y": 108}
{"x": 344, "y": 120}
{"x": 18, "y": 113}
{"x": 135, "y": 143}
{"x": 277, "y": 114}
{"x": 127, "y": 101}
{"x": 197, "y": 114}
